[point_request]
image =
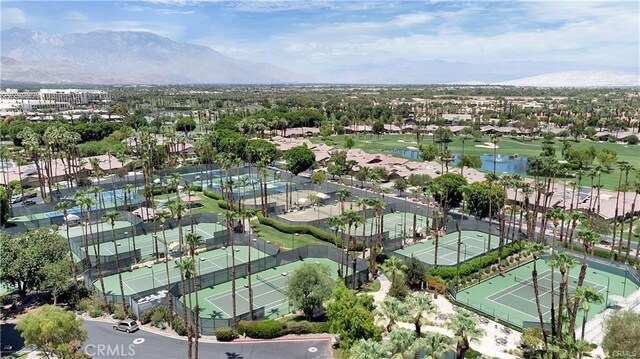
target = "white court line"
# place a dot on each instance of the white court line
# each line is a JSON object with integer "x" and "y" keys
{"x": 226, "y": 315}
{"x": 517, "y": 310}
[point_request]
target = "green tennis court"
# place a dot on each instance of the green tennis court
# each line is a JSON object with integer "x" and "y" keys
{"x": 394, "y": 223}
{"x": 143, "y": 279}
{"x": 78, "y": 231}
{"x": 268, "y": 291}
{"x": 512, "y": 298}
{"x": 473, "y": 243}
{"x": 145, "y": 242}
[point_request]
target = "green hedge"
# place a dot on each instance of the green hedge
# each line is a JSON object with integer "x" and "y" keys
{"x": 305, "y": 327}
{"x": 606, "y": 254}
{"x": 209, "y": 193}
{"x": 476, "y": 264}
{"x": 261, "y": 329}
{"x": 303, "y": 229}
{"x": 225, "y": 334}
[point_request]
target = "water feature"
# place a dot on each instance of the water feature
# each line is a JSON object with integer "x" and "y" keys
{"x": 504, "y": 163}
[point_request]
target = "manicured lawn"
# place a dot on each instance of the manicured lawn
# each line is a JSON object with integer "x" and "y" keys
{"x": 210, "y": 205}
{"x": 285, "y": 240}
{"x": 506, "y": 146}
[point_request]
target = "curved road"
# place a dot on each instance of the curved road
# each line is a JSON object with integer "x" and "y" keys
{"x": 104, "y": 342}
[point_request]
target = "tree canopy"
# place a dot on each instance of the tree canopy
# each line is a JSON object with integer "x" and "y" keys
{"x": 478, "y": 194}
{"x": 447, "y": 189}
{"x": 309, "y": 286}
{"x": 299, "y": 159}
{"x": 351, "y": 316}
{"x": 53, "y": 330}
{"x": 23, "y": 258}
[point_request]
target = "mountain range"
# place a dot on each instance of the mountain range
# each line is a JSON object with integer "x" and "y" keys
{"x": 126, "y": 57}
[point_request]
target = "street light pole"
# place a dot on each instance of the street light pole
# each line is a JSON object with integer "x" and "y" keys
{"x": 606, "y": 301}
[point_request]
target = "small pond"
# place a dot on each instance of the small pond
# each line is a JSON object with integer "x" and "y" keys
{"x": 504, "y": 163}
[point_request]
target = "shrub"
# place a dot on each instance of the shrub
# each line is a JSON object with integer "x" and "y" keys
{"x": 263, "y": 329}
{"x": 84, "y": 305}
{"x": 225, "y": 334}
{"x": 118, "y": 312}
{"x": 305, "y": 327}
{"x": 303, "y": 229}
{"x": 156, "y": 315}
{"x": 177, "y": 324}
{"x": 399, "y": 289}
{"x": 436, "y": 284}
{"x": 95, "y": 312}
{"x": 223, "y": 204}
{"x": 209, "y": 193}
{"x": 632, "y": 140}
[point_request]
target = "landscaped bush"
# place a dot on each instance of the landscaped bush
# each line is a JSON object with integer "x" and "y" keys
{"x": 436, "y": 284}
{"x": 118, "y": 312}
{"x": 177, "y": 324}
{"x": 153, "y": 314}
{"x": 305, "y": 327}
{"x": 304, "y": 229}
{"x": 225, "y": 334}
{"x": 476, "y": 264}
{"x": 95, "y": 312}
{"x": 223, "y": 204}
{"x": 211, "y": 194}
{"x": 262, "y": 329}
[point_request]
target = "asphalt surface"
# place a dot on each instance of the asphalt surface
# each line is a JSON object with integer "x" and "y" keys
{"x": 104, "y": 342}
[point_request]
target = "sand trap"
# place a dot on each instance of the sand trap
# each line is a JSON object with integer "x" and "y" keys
{"x": 412, "y": 148}
{"x": 401, "y": 141}
{"x": 488, "y": 145}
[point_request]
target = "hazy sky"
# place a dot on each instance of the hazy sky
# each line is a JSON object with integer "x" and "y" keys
{"x": 313, "y": 36}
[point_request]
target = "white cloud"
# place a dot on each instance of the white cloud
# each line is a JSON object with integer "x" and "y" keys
{"x": 162, "y": 29}
{"x": 76, "y": 16}
{"x": 582, "y": 32}
{"x": 290, "y": 5}
{"x": 175, "y": 12}
{"x": 13, "y": 15}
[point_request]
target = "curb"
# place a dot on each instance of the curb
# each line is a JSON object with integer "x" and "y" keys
{"x": 211, "y": 339}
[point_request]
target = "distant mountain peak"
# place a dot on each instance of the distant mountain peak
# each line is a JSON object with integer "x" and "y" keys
{"x": 126, "y": 57}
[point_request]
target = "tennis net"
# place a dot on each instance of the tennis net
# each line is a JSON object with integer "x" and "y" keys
{"x": 270, "y": 284}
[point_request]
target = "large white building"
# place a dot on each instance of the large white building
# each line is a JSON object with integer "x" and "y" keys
{"x": 71, "y": 96}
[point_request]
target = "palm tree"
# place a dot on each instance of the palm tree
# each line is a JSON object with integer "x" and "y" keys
{"x": 465, "y": 328}
{"x": 417, "y": 306}
{"x": 393, "y": 309}
{"x": 193, "y": 241}
{"x": 163, "y": 217}
{"x": 110, "y": 217}
{"x": 231, "y": 217}
{"x": 436, "y": 241}
{"x": 536, "y": 249}
{"x": 177, "y": 208}
{"x": 437, "y": 345}
{"x": 248, "y": 214}
{"x": 569, "y": 348}
{"x": 575, "y": 217}
{"x": 128, "y": 188}
{"x": 338, "y": 225}
{"x": 367, "y": 349}
{"x": 622, "y": 165}
{"x": 491, "y": 178}
{"x": 87, "y": 202}
{"x": 343, "y": 194}
{"x": 400, "y": 342}
{"x": 395, "y": 266}
{"x": 187, "y": 269}
{"x": 585, "y": 296}
{"x": 636, "y": 188}
{"x": 564, "y": 261}
{"x": 588, "y": 239}
{"x": 64, "y": 207}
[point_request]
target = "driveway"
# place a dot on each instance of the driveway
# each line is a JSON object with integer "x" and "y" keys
{"x": 104, "y": 342}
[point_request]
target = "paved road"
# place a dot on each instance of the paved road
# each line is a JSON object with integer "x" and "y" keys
{"x": 104, "y": 342}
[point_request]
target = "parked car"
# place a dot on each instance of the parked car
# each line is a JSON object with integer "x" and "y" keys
{"x": 29, "y": 202}
{"x": 16, "y": 199}
{"x": 126, "y": 325}
{"x": 31, "y": 195}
